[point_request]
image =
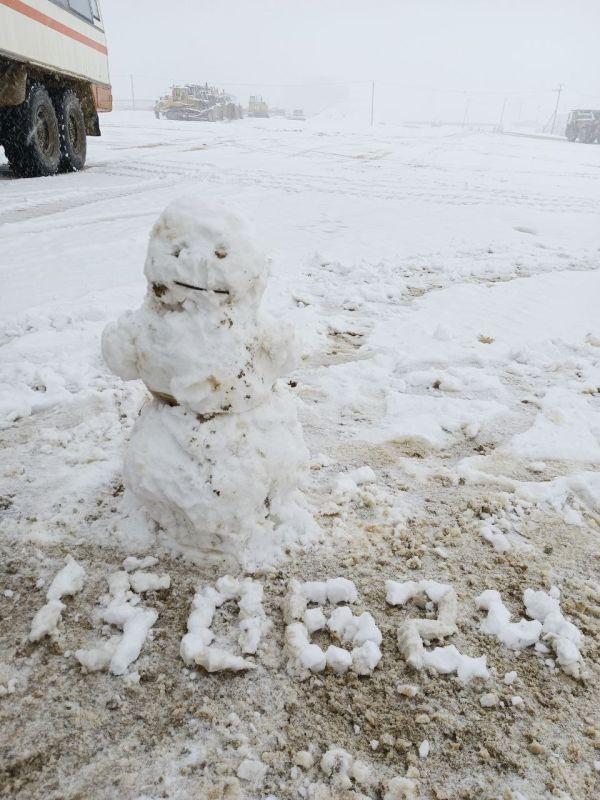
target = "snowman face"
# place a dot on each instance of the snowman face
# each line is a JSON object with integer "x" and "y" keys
{"x": 201, "y": 255}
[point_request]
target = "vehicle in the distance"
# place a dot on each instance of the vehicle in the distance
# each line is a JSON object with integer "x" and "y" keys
{"x": 197, "y": 102}
{"x": 257, "y": 107}
{"x": 54, "y": 80}
{"x": 583, "y": 124}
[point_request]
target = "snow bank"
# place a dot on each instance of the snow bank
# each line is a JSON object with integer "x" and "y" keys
{"x": 567, "y": 428}
{"x": 431, "y": 422}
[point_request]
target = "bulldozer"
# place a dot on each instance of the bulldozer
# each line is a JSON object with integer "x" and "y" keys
{"x": 196, "y": 102}
{"x": 583, "y": 124}
{"x": 257, "y": 107}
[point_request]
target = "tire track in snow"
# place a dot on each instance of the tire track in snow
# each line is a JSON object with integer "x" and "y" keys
{"x": 66, "y": 204}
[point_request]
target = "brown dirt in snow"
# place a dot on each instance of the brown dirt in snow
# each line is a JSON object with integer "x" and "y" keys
{"x": 69, "y": 735}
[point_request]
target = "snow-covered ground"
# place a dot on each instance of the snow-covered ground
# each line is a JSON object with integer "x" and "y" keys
{"x": 445, "y": 287}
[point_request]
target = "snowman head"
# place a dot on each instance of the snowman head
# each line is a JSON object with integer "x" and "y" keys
{"x": 201, "y": 255}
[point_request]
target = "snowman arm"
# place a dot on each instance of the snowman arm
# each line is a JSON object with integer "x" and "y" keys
{"x": 119, "y": 348}
{"x": 281, "y": 343}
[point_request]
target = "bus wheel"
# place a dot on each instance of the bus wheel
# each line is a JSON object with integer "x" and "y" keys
{"x": 36, "y": 144}
{"x": 71, "y": 128}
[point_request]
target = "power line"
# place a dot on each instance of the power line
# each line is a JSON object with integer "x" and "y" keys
{"x": 308, "y": 85}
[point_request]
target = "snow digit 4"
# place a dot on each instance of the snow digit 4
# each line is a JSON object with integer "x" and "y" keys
{"x": 514, "y": 635}
{"x": 359, "y": 631}
{"x": 197, "y": 647}
{"x": 413, "y": 632}
{"x": 564, "y": 637}
{"x": 217, "y": 456}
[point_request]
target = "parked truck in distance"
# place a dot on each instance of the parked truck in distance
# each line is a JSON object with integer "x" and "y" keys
{"x": 583, "y": 124}
{"x": 53, "y": 82}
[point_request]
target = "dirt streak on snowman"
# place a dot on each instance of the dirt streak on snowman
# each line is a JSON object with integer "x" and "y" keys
{"x": 218, "y": 454}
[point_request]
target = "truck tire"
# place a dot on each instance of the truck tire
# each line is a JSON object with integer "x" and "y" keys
{"x": 588, "y": 137}
{"x": 9, "y": 137}
{"x": 71, "y": 129}
{"x": 35, "y": 147}
{"x": 11, "y": 148}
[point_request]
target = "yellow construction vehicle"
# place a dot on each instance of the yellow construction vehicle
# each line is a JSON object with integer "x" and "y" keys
{"x": 257, "y": 107}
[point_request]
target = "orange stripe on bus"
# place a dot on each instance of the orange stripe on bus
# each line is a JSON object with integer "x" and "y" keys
{"x": 50, "y": 22}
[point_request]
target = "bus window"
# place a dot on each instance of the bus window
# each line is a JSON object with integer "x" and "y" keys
{"x": 95, "y": 9}
{"x": 81, "y": 7}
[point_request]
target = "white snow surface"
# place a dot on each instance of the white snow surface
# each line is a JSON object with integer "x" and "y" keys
{"x": 417, "y": 293}
{"x": 444, "y": 287}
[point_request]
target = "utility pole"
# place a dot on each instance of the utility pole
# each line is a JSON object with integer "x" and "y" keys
{"x": 466, "y": 116}
{"x": 132, "y": 93}
{"x": 502, "y": 114}
{"x": 559, "y": 90}
{"x": 372, "y": 100}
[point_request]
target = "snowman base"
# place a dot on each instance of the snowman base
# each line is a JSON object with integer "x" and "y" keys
{"x": 222, "y": 487}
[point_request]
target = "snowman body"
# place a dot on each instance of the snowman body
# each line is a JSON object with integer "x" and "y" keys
{"x": 217, "y": 455}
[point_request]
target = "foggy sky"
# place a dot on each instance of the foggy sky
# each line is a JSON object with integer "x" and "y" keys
{"x": 518, "y": 48}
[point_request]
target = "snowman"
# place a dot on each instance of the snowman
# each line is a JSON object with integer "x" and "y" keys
{"x": 217, "y": 455}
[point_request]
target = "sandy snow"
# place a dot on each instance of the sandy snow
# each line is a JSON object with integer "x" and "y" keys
{"x": 444, "y": 285}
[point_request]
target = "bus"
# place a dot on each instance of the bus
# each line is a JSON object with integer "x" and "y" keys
{"x": 54, "y": 80}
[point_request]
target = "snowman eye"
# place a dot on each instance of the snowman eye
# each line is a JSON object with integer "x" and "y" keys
{"x": 220, "y": 252}
{"x": 159, "y": 289}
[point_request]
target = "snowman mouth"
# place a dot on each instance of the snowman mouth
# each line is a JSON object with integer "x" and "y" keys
{"x": 201, "y": 288}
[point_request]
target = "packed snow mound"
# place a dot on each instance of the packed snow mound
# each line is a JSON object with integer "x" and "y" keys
{"x": 201, "y": 338}
{"x": 208, "y": 246}
{"x": 216, "y": 485}
{"x": 216, "y": 457}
